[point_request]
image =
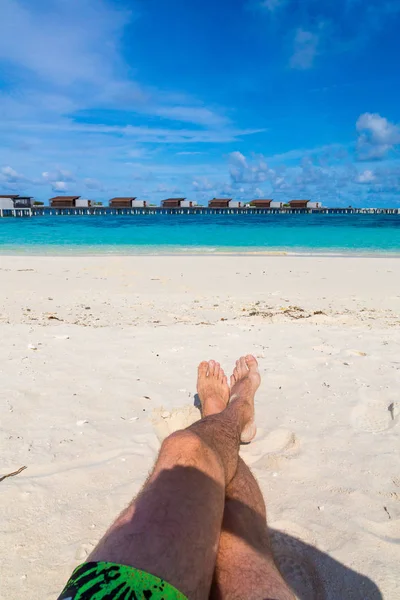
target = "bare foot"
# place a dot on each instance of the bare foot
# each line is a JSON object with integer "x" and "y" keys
{"x": 245, "y": 381}
{"x": 212, "y": 388}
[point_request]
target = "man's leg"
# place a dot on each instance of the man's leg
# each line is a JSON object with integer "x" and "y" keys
{"x": 245, "y": 566}
{"x": 172, "y": 529}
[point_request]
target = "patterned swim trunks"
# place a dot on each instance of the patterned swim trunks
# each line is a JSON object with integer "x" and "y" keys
{"x": 109, "y": 581}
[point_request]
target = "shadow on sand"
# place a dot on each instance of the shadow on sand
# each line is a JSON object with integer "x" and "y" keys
{"x": 175, "y": 522}
{"x": 314, "y": 575}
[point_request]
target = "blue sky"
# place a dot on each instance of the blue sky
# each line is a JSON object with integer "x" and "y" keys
{"x": 245, "y": 98}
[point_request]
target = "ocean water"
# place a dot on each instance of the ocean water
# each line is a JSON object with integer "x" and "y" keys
{"x": 168, "y": 234}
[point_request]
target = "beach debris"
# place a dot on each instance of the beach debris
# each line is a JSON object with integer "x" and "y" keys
{"x": 133, "y": 418}
{"x": 82, "y": 422}
{"x": 260, "y": 313}
{"x": 391, "y": 410}
{"x": 61, "y": 337}
{"x": 87, "y": 307}
{"x": 32, "y": 347}
{"x": 166, "y": 414}
{"x": 355, "y": 353}
{"x": 387, "y": 512}
{"x": 13, "y": 473}
{"x": 294, "y": 312}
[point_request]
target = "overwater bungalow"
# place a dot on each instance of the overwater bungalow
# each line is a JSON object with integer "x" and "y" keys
{"x": 172, "y": 202}
{"x": 126, "y": 202}
{"x": 298, "y": 203}
{"x": 10, "y": 201}
{"x": 219, "y": 203}
{"x": 69, "y": 202}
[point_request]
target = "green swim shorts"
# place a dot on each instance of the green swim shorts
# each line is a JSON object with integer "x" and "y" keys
{"x": 109, "y": 581}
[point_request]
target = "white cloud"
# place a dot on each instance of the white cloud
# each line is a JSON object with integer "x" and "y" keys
{"x": 62, "y": 42}
{"x": 203, "y": 184}
{"x": 238, "y": 159}
{"x": 165, "y": 188}
{"x": 59, "y": 186}
{"x": 348, "y": 25}
{"x": 93, "y": 184}
{"x": 58, "y": 175}
{"x": 305, "y": 49}
{"x": 190, "y": 114}
{"x": 377, "y": 136}
{"x": 139, "y": 134}
{"x": 366, "y": 176}
{"x": 253, "y": 171}
{"x": 10, "y": 175}
{"x": 68, "y": 58}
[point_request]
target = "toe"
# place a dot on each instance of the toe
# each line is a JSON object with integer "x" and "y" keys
{"x": 203, "y": 368}
{"x": 243, "y": 366}
{"x": 217, "y": 369}
{"x": 222, "y": 374}
{"x": 251, "y": 362}
{"x": 233, "y": 380}
{"x": 211, "y": 368}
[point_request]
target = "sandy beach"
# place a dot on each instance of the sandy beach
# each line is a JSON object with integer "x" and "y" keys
{"x": 98, "y": 361}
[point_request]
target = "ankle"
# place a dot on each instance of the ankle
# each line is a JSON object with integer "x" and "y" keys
{"x": 242, "y": 408}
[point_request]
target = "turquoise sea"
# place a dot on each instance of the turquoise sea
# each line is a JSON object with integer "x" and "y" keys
{"x": 168, "y": 234}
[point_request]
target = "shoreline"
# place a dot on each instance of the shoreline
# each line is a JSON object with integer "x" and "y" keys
{"x": 202, "y": 252}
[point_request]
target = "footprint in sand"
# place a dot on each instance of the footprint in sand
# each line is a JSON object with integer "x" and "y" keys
{"x": 386, "y": 531}
{"x": 271, "y": 451}
{"x": 374, "y": 416}
{"x": 84, "y": 550}
{"x": 295, "y": 562}
{"x": 166, "y": 421}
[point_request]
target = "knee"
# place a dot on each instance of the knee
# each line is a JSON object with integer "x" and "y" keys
{"x": 187, "y": 449}
{"x": 184, "y": 445}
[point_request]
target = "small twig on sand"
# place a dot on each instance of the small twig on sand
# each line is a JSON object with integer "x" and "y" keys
{"x": 12, "y": 474}
{"x": 387, "y": 512}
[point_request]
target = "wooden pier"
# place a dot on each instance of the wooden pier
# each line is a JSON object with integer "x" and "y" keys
{"x": 16, "y": 212}
{"x": 43, "y": 211}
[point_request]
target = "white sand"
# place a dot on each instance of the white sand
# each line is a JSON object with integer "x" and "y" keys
{"x": 97, "y": 363}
